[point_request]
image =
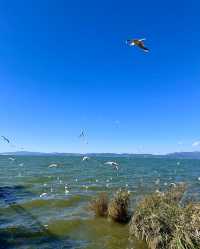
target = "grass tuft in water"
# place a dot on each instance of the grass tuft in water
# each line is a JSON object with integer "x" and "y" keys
{"x": 118, "y": 208}
{"x": 99, "y": 205}
{"x": 164, "y": 224}
{"x": 187, "y": 228}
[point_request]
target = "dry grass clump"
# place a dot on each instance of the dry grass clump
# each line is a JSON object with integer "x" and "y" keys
{"x": 187, "y": 230}
{"x": 175, "y": 193}
{"x": 164, "y": 224}
{"x": 100, "y": 205}
{"x": 118, "y": 208}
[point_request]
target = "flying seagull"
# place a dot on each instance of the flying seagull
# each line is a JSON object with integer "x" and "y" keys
{"x": 85, "y": 158}
{"x": 53, "y": 165}
{"x": 137, "y": 42}
{"x": 114, "y": 164}
{"x": 83, "y": 137}
{"x": 6, "y": 139}
{"x": 82, "y": 134}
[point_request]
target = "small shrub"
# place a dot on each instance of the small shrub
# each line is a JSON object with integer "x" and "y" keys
{"x": 118, "y": 208}
{"x": 164, "y": 224}
{"x": 100, "y": 205}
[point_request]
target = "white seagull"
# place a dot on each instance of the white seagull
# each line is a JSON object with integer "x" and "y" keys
{"x": 113, "y": 164}
{"x": 53, "y": 165}
{"x": 85, "y": 158}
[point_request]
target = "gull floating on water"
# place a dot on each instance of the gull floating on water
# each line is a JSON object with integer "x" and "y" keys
{"x": 137, "y": 42}
{"x": 11, "y": 158}
{"x": 43, "y": 194}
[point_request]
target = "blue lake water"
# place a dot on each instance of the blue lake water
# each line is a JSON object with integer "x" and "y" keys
{"x": 46, "y": 207}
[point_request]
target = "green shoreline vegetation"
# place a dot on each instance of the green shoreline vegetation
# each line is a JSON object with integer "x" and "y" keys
{"x": 160, "y": 219}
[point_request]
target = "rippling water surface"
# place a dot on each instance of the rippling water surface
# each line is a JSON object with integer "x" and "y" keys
{"x": 43, "y": 207}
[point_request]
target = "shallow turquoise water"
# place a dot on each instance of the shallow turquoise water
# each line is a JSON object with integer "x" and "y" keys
{"x": 42, "y": 207}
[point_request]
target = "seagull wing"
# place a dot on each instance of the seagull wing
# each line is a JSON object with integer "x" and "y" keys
{"x": 143, "y": 39}
{"x": 141, "y": 45}
{"x": 81, "y": 134}
{"x": 6, "y": 139}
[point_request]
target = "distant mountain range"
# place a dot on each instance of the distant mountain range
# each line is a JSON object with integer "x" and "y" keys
{"x": 180, "y": 155}
{"x": 189, "y": 155}
{"x": 29, "y": 153}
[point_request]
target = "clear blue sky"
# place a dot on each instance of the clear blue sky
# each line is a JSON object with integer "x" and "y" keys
{"x": 64, "y": 67}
